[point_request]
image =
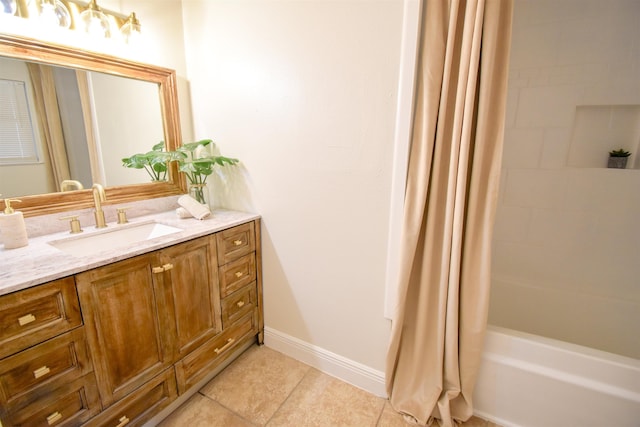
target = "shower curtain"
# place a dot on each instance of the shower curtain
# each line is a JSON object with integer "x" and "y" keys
{"x": 451, "y": 191}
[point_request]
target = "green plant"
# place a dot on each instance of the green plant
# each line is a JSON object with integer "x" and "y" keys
{"x": 196, "y": 162}
{"x": 619, "y": 153}
{"x": 155, "y": 162}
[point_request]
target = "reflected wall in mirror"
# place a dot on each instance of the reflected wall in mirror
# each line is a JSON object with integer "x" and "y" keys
{"x": 87, "y": 111}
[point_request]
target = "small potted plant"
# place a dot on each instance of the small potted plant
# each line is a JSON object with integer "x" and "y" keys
{"x": 196, "y": 162}
{"x": 154, "y": 162}
{"x": 618, "y": 158}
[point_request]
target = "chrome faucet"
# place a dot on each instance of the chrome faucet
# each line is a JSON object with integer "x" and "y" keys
{"x": 98, "y": 198}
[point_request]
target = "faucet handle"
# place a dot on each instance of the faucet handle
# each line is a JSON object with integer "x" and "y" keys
{"x": 122, "y": 215}
{"x": 74, "y": 223}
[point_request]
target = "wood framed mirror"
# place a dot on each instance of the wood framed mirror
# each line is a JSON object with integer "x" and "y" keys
{"x": 33, "y": 51}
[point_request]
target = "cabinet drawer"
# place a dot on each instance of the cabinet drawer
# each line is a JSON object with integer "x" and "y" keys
{"x": 69, "y": 405}
{"x": 141, "y": 405}
{"x": 57, "y": 361}
{"x": 195, "y": 366}
{"x": 34, "y": 315}
{"x": 237, "y": 274}
{"x": 235, "y": 242}
{"x": 238, "y": 304}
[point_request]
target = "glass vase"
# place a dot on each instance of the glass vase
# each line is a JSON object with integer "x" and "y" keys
{"x": 200, "y": 192}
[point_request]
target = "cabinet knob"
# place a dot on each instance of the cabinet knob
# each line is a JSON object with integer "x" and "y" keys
{"x": 40, "y": 372}
{"x": 53, "y": 418}
{"x": 167, "y": 266}
{"x": 239, "y": 274}
{"x": 123, "y": 421}
{"x": 157, "y": 270}
{"x": 24, "y": 320}
{"x": 240, "y": 304}
{"x": 237, "y": 242}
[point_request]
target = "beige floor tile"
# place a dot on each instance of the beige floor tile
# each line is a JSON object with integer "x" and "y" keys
{"x": 391, "y": 418}
{"x": 321, "y": 400}
{"x": 255, "y": 385}
{"x": 200, "y": 411}
{"x": 475, "y": 422}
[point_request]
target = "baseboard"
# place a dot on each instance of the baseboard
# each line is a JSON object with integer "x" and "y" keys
{"x": 347, "y": 370}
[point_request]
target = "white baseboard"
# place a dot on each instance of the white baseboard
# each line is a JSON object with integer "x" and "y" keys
{"x": 347, "y": 370}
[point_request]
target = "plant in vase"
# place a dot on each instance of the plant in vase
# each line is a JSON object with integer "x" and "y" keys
{"x": 618, "y": 158}
{"x": 196, "y": 162}
{"x": 155, "y": 162}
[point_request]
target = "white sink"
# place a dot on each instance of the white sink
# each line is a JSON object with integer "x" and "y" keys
{"x": 112, "y": 238}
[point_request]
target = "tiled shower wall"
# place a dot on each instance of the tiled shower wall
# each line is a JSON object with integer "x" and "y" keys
{"x": 566, "y": 261}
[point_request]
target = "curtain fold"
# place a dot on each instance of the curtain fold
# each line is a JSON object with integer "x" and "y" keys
{"x": 49, "y": 122}
{"x": 454, "y": 166}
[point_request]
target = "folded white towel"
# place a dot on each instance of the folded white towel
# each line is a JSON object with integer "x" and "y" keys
{"x": 183, "y": 213}
{"x": 192, "y": 206}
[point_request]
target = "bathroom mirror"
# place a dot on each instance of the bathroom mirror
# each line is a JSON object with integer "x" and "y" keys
{"x": 155, "y": 102}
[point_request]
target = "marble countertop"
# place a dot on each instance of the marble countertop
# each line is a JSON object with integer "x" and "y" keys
{"x": 40, "y": 262}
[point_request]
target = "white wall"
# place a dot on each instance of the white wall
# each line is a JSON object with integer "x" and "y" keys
{"x": 304, "y": 93}
{"x": 566, "y": 239}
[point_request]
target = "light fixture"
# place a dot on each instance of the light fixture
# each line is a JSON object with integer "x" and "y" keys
{"x": 8, "y": 7}
{"x": 94, "y": 21}
{"x": 130, "y": 30}
{"x": 54, "y": 14}
{"x": 81, "y": 15}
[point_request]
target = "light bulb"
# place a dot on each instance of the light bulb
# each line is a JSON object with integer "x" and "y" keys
{"x": 54, "y": 14}
{"x": 94, "y": 22}
{"x": 130, "y": 30}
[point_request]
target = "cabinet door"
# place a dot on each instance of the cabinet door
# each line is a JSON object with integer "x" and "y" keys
{"x": 125, "y": 334}
{"x": 190, "y": 281}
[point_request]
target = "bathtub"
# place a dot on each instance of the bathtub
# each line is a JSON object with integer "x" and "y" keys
{"x": 529, "y": 381}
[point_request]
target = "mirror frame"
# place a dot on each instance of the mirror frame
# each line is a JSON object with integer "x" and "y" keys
{"x": 18, "y": 47}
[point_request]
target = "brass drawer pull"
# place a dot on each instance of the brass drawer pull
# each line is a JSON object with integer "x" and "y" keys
{"x": 239, "y": 274}
{"x": 240, "y": 304}
{"x": 123, "y": 421}
{"x": 237, "y": 242}
{"x": 40, "y": 372}
{"x": 53, "y": 418}
{"x": 26, "y": 319}
{"x": 224, "y": 347}
{"x": 165, "y": 267}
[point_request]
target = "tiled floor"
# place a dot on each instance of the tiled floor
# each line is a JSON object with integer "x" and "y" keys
{"x": 266, "y": 388}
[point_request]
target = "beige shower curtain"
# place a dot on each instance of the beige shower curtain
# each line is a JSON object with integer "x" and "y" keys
{"x": 454, "y": 167}
{"x": 50, "y": 124}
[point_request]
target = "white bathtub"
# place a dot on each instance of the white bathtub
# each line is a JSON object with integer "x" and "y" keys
{"x": 530, "y": 381}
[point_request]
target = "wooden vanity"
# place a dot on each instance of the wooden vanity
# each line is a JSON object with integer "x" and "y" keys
{"x": 116, "y": 344}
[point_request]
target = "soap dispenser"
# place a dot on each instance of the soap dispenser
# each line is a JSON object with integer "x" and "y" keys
{"x": 12, "y": 227}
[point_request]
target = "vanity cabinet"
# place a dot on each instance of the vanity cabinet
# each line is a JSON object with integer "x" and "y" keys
{"x": 145, "y": 313}
{"x": 46, "y": 373}
{"x": 117, "y": 344}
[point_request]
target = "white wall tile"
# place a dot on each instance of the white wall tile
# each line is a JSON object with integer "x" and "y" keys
{"x": 548, "y": 106}
{"x": 522, "y": 148}
{"x": 555, "y": 148}
{"x": 536, "y": 188}
{"x": 512, "y": 224}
